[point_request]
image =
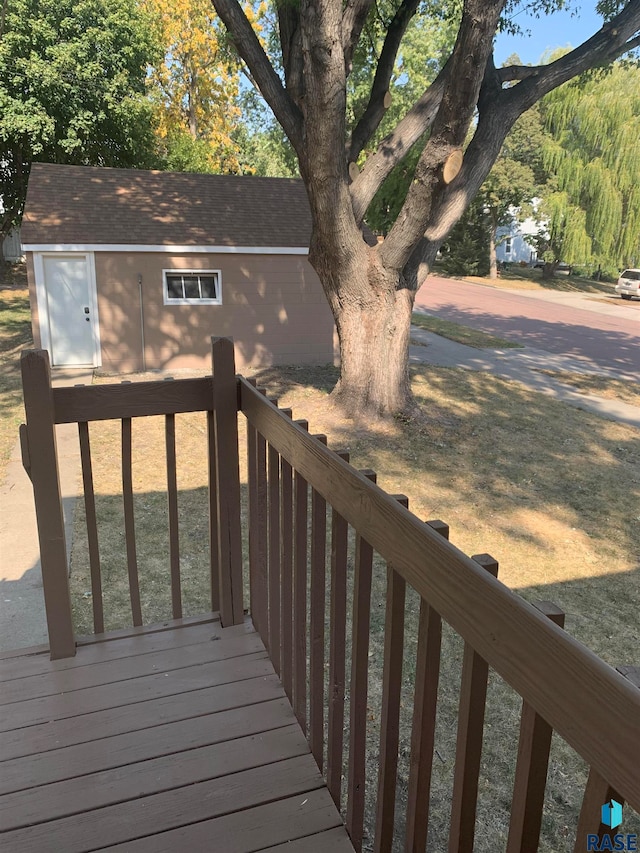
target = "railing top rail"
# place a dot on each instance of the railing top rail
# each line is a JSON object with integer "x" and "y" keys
{"x": 131, "y": 400}
{"x": 594, "y": 708}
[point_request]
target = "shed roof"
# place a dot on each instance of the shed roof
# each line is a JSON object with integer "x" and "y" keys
{"x": 98, "y": 205}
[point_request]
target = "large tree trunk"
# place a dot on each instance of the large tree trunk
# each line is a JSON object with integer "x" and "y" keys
{"x": 372, "y": 309}
{"x": 374, "y": 352}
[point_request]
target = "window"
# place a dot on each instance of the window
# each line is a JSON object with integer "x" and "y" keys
{"x": 192, "y": 287}
{"x": 507, "y": 246}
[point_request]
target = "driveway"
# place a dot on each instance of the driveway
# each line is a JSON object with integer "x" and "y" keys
{"x": 596, "y": 330}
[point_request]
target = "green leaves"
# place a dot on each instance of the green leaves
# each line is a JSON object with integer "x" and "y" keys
{"x": 72, "y": 89}
{"x": 593, "y": 152}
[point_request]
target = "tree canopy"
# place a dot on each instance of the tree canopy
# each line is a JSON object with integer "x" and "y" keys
{"x": 72, "y": 89}
{"x": 195, "y": 86}
{"x": 591, "y": 155}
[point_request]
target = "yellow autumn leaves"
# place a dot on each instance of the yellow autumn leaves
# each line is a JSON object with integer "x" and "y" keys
{"x": 195, "y": 84}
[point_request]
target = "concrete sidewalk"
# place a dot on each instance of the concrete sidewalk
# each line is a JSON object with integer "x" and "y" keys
{"x": 22, "y": 615}
{"x": 523, "y": 365}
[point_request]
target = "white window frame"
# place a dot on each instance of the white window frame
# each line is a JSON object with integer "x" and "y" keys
{"x": 191, "y": 301}
{"x": 508, "y": 245}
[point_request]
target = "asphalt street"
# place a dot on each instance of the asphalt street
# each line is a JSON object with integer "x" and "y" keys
{"x": 596, "y": 331}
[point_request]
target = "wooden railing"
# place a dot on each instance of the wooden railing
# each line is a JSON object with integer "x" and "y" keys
{"x": 564, "y": 687}
{"x": 316, "y": 530}
{"x": 46, "y": 406}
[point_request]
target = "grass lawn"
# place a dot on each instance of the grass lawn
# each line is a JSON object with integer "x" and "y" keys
{"x": 460, "y": 334}
{"x": 525, "y": 278}
{"x": 598, "y": 386}
{"x": 551, "y": 492}
{"x": 15, "y": 335}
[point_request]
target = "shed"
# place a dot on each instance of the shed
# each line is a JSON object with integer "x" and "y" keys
{"x": 132, "y": 270}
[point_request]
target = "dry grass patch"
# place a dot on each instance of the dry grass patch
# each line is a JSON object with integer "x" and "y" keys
{"x": 551, "y": 492}
{"x": 524, "y": 278}
{"x": 461, "y": 334}
{"x": 624, "y": 390}
{"x": 15, "y": 335}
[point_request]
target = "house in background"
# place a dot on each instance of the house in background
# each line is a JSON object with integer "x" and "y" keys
{"x": 514, "y": 243}
{"x": 133, "y": 270}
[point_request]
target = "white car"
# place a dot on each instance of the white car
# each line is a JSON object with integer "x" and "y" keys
{"x": 629, "y": 284}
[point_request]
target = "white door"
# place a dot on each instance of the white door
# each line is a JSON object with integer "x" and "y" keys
{"x": 71, "y": 310}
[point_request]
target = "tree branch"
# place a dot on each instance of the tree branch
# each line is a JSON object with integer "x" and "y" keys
{"x": 397, "y": 145}
{"x": 250, "y": 49}
{"x": 291, "y": 45}
{"x": 617, "y": 36}
{"x": 514, "y": 73}
{"x": 469, "y": 61}
{"x": 355, "y": 14}
{"x": 375, "y": 109}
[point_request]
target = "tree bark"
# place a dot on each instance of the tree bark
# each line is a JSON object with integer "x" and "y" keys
{"x": 374, "y": 331}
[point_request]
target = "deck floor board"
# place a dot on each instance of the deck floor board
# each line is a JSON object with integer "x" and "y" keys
{"x": 167, "y": 741}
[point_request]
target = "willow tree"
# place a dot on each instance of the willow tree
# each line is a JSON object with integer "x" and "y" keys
{"x": 592, "y": 154}
{"x": 371, "y": 289}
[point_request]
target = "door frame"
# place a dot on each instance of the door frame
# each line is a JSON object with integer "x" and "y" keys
{"x": 43, "y": 306}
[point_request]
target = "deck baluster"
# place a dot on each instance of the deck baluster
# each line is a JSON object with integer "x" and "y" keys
{"x": 273, "y": 489}
{"x": 390, "y": 715}
{"x": 172, "y": 501}
{"x": 286, "y": 570}
{"x": 337, "y": 650}
{"x": 424, "y": 718}
{"x": 359, "y": 687}
{"x": 473, "y": 694}
{"x": 129, "y": 522}
{"x": 301, "y": 501}
{"x": 92, "y": 527}
{"x": 531, "y": 767}
{"x": 316, "y": 621}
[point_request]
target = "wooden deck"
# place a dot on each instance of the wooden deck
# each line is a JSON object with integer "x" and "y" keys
{"x": 171, "y": 740}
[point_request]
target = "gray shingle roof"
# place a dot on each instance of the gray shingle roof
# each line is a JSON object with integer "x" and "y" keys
{"x": 86, "y": 205}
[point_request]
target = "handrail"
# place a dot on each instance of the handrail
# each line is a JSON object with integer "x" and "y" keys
{"x": 579, "y": 695}
{"x": 136, "y": 400}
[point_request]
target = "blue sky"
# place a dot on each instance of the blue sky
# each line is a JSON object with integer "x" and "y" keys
{"x": 561, "y": 29}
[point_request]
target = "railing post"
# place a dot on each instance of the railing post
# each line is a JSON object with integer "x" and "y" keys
{"x": 42, "y": 452}
{"x": 225, "y": 419}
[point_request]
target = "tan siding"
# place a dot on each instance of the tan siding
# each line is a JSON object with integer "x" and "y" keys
{"x": 272, "y": 306}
